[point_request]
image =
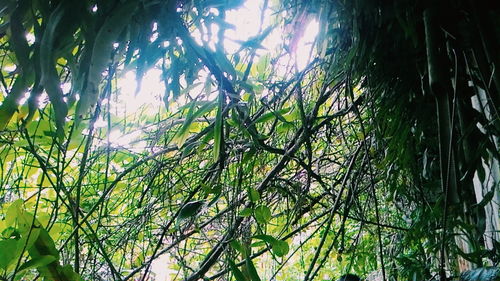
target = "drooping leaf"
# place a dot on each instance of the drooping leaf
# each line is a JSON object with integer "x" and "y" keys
{"x": 49, "y": 75}
{"x": 217, "y": 134}
{"x": 182, "y": 134}
{"x": 22, "y": 52}
{"x": 17, "y": 39}
{"x": 101, "y": 54}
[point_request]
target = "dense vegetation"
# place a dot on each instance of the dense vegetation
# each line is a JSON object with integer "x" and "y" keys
{"x": 381, "y": 154}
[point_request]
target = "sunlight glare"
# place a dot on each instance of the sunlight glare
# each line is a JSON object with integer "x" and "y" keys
{"x": 117, "y": 138}
{"x": 30, "y": 37}
{"x": 306, "y": 43}
{"x": 246, "y": 20}
{"x": 247, "y": 24}
{"x": 160, "y": 268}
{"x": 150, "y": 93}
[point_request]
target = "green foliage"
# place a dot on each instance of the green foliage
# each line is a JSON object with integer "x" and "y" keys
{"x": 379, "y": 154}
{"x": 21, "y": 234}
{"x": 238, "y": 275}
{"x": 262, "y": 214}
{"x": 279, "y": 248}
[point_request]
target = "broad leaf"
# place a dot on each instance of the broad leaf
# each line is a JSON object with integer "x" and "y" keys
{"x": 262, "y": 214}
{"x": 253, "y": 194}
{"x": 8, "y": 250}
{"x": 36, "y": 263}
{"x": 246, "y": 212}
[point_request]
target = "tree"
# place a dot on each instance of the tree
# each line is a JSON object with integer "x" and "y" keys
{"x": 248, "y": 167}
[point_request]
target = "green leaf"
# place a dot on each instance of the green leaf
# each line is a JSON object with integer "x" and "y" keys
{"x": 273, "y": 114}
{"x": 8, "y": 250}
{"x": 183, "y": 133}
{"x": 18, "y": 40}
{"x": 44, "y": 245}
{"x": 262, "y": 214}
{"x": 246, "y": 212}
{"x": 268, "y": 238}
{"x": 68, "y": 273}
{"x": 253, "y": 194}
{"x": 238, "y": 275}
{"x": 279, "y": 247}
{"x": 255, "y": 42}
{"x": 487, "y": 198}
{"x": 208, "y": 86}
{"x": 292, "y": 115}
{"x": 211, "y": 188}
{"x": 251, "y": 270}
{"x": 224, "y": 63}
{"x": 235, "y": 244}
{"x": 26, "y": 74}
{"x": 249, "y": 155}
{"x": 258, "y": 244}
{"x": 26, "y": 221}
{"x": 284, "y": 128}
{"x": 262, "y": 66}
{"x": 218, "y": 134}
{"x": 10, "y": 104}
{"x": 28, "y": 242}
{"x": 13, "y": 212}
{"x": 175, "y": 73}
{"x": 101, "y": 54}
{"x": 36, "y": 263}
{"x": 49, "y": 76}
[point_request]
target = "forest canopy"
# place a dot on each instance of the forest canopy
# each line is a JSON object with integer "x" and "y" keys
{"x": 249, "y": 140}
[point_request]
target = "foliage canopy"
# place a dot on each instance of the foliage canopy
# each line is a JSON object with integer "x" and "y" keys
{"x": 380, "y": 154}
